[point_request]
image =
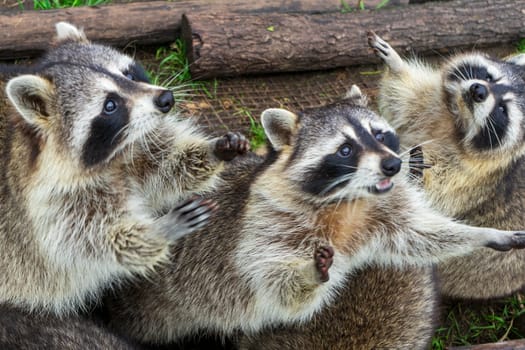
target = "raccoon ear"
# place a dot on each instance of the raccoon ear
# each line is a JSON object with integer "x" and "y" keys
{"x": 30, "y": 94}
{"x": 518, "y": 59}
{"x": 357, "y": 97}
{"x": 279, "y": 126}
{"x": 68, "y": 32}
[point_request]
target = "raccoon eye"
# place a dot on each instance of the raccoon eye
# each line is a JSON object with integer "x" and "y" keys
{"x": 380, "y": 137}
{"x": 110, "y": 107}
{"x": 489, "y": 78}
{"x": 345, "y": 150}
{"x": 128, "y": 75}
{"x": 502, "y": 108}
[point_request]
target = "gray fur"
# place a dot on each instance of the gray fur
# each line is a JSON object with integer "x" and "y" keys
{"x": 482, "y": 187}
{"x": 72, "y": 224}
{"x": 22, "y": 330}
{"x": 252, "y": 267}
{"x": 379, "y": 308}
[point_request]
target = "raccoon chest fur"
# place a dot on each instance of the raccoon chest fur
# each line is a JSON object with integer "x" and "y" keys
{"x": 345, "y": 225}
{"x": 96, "y": 164}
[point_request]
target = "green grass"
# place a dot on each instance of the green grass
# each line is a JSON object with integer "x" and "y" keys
{"x": 257, "y": 136}
{"x": 361, "y": 5}
{"x": 521, "y": 46}
{"x": 58, "y": 4}
{"x": 467, "y": 324}
{"x": 172, "y": 67}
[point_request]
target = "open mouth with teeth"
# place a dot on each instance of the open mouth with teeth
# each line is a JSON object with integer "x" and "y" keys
{"x": 382, "y": 186}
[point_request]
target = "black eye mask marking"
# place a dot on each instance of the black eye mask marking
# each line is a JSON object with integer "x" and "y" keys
{"x": 105, "y": 134}
{"x": 467, "y": 72}
{"x": 494, "y": 130}
{"x": 333, "y": 167}
{"x": 136, "y": 72}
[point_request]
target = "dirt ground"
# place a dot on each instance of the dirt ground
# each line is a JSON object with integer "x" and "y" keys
{"x": 228, "y": 103}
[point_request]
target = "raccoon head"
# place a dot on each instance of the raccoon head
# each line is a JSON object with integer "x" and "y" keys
{"x": 88, "y": 99}
{"x": 339, "y": 152}
{"x": 486, "y": 97}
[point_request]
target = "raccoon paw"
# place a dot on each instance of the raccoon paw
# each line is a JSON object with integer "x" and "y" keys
{"x": 231, "y": 145}
{"x": 187, "y": 217}
{"x": 323, "y": 260}
{"x": 384, "y": 51}
{"x": 515, "y": 240}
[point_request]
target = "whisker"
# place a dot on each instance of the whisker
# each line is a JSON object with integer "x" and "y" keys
{"x": 415, "y": 146}
{"x": 336, "y": 182}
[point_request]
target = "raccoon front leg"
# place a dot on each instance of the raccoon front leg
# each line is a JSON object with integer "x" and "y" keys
{"x": 194, "y": 166}
{"x": 141, "y": 247}
{"x": 432, "y": 238}
{"x": 384, "y": 51}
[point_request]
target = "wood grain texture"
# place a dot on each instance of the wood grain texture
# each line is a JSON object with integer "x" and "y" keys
{"x": 26, "y": 33}
{"x": 232, "y": 44}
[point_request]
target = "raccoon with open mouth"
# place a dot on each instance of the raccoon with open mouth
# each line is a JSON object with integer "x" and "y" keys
{"x": 469, "y": 116}
{"x": 331, "y": 184}
{"x": 96, "y": 172}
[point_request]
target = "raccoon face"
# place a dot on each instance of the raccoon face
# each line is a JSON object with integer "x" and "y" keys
{"x": 486, "y": 97}
{"x": 341, "y": 152}
{"x": 90, "y": 99}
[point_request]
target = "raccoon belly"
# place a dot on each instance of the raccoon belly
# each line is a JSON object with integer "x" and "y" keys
{"x": 379, "y": 308}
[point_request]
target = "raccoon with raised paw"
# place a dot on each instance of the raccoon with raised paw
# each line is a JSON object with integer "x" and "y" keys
{"x": 469, "y": 116}
{"x": 96, "y": 174}
{"x": 327, "y": 200}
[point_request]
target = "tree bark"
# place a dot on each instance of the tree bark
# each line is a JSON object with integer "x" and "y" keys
{"x": 26, "y": 33}
{"x": 233, "y": 44}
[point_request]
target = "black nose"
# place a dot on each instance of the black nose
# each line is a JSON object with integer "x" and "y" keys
{"x": 478, "y": 92}
{"x": 165, "y": 101}
{"x": 390, "y": 166}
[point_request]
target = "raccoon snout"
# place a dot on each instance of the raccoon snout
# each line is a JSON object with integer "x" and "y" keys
{"x": 165, "y": 101}
{"x": 478, "y": 92}
{"x": 390, "y": 166}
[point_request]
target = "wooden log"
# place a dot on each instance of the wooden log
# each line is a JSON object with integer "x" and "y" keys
{"x": 506, "y": 345}
{"x": 26, "y": 33}
{"x": 232, "y": 44}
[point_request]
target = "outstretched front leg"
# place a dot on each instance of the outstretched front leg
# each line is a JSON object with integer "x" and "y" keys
{"x": 384, "y": 51}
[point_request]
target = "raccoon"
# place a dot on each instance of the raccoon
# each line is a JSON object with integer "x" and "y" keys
{"x": 23, "y": 330}
{"x": 95, "y": 169}
{"x": 322, "y": 198}
{"x": 468, "y": 115}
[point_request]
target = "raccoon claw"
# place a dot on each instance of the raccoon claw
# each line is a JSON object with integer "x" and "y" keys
{"x": 379, "y": 46}
{"x": 231, "y": 145}
{"x": 187, "y": 217}
{"x": 384, "y": 51}
{"x": 323, "y": 260}
{"x": 517, "y": 241}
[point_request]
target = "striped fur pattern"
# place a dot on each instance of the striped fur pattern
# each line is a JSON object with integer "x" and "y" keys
{"x": 468, "y": 115}
{"x": 95, "y": 164}
{"x": 332, "y": 177}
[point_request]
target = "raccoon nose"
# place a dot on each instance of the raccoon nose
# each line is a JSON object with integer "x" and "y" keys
{"x": 390, "y": 166}
{"x": 478, "y": 92}
{"x": 165, "y": 101}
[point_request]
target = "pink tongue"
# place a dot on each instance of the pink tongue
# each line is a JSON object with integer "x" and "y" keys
{"x": 383, "y": 184}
